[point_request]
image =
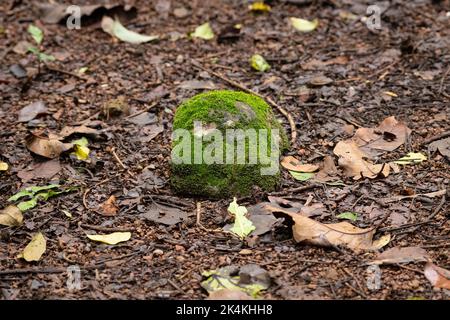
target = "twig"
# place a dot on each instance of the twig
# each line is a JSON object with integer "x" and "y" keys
{"x": 286, "y": 114}
{"x": 298, "y": 189}
{"x": 441, "y": 86}
{"x": 142, "y": 111}
{"x": 56, "y": 69}
{"x": 438, "y": 137}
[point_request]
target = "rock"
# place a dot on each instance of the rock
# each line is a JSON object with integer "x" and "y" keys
{"x": 217, "y": 145}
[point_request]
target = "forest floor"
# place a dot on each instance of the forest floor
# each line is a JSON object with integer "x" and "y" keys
{"x": 331, "y": 81}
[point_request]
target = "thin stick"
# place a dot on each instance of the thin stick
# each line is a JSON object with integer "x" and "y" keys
{"x": 56, "y": 69}
{"x": 142, "y": 111}
{"x": 288, "y": 116}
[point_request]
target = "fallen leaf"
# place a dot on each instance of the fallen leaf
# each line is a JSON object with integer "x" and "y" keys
{"x": 166, "y": 215}
{"x": 3, "y": 166}
{"x": 35, "y": 249}
{"x": 411, "y": 158}
{"x": 48, "y": 148}
{"x": 32, "y": 111}
{"x": 292, "y": 164}
{"x": 301, "y": 176}
{"x": 443, "y": 146}
{"x": 306, "y": 230}
{"x": 438, "y": 277}
{"x": 68, "y": 131}
{"x": 112, "y": 238}
{"x": 351, "y": 159}
{"x": 304, "y": 25}
{"x": 144, "y": 119}
{"x": 197, "y": 84}
{"x": 81, "y": 151}
{"x": 315, "y": 64}
{"x": 428, "y": 195}
{"x": 229, "y": 278}
{"x": 387, "y": 136}
{"x": 116, "y": 29}
{"x": 320, "y": 80}
{"x": 401, "y": 255}
{"x": 259, "y": 63}
{"x": 36, "y": 194}
{"x": 348, "y": 215}
{"x": 18, "y": 71}
{"x": 31, "y": 191}
{"x": 22, "y": 47}
{"x": 46, "y": 170}
{"x": 228, "y": 294}
{"x": 259, "y": 6}
{"x": 203, "y": 31}
{"x": 11, "y": 216}
{"x": 35, "y": 33}
{"x": 328, "y": 172}
{"x": 242, "y": 226}
{"x": 109, "y": 207}
{"x": 261, "y": 218}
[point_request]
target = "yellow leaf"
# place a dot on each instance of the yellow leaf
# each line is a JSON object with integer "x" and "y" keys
{"x": 11, "y": 216}
{"x": 112, "y": 238}
{"x": 390, "y": 93}
{"x": 203, "y": 32}
{"x": 259, "y": 6}
{"x": 411, "y": 158}
{"x": 35, "y": 249}
{"x": 304, "y": 25}
{"x": 3, "y": 166}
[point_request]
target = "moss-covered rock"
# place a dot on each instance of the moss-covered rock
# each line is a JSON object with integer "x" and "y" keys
{"x": 210, "y": 158}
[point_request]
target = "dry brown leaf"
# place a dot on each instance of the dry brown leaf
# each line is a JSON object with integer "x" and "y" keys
{"x": 292, "y": 164}
{"x": 48, "y": 148}
{"x": 351, "y": 159}
{"x": 328, "y": 172}
{"x": 443, "y": 146}
{"x": 109, "y": 207}
{"x": 228, "y": 294}
{"x": 32, "y": 111}
{"x": 68, "y": 131}
{"x": 11, "y": 216}
{"x": 388, "y": 136}
{"x": 306, "y": 230}
{"x": 439, "y": 277}
{"x": 319, "y": 64}
{"x": 47, "y": 169}
{"x": 320, "y": 80}
{"x": 402, "y": 255}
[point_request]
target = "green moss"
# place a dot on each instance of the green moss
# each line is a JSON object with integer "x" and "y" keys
{"x": 224, "y": 110}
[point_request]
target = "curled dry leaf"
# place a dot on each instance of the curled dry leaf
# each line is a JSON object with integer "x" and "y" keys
{"x": 292, "y": 164}
{"x": 116, "y": 29}
{"x": 438, "y": 277}
{"x": 443, "y": 146}
{"x": 11, "y": 216}
{"x": 351, "y": 159}
{"x": 306, "y": 230}
{"x": 112, "y": 238}
{"x": 48, "y": 148}
{"x": 109, "y": 207}
{"x": 68, "y": 131}
{"x": 166, "y": 215}
{"x": 402, "y": 255}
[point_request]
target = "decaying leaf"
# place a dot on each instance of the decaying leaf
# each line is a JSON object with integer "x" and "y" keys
{"x": 32, "y": 111}
{"x": 306, "y": 230}
{"x": 328, "y": 172}
{"x": 228, "y": 294}
{"x": 230, "y": 278}
{"x": 3, "y": 166}
{"x": 197, "y": 84}
{"x": 203, "y": 31}
{"x": 304, "y": 25}
{"x": 401, "y": 255}
{"x": 169, "y": 216}
{"x": 112, "y": 238}
{"x": 258, "y": 63}
{"x": 438, "y": 277}
{"x": 47, "y": 169}
{"x": 11, "y": 216}
{"x": 109, "y": 207}
{"x": 35, "y": 249}
{"x": 320, "y": 80}
{"x": 48, "y": 148}
{"x": 443, "y": 146}
{"x": 411, "y": 158}
{"x": 387, "y": 136}
{"x": 84, "y": 130}
{"x": 351, "y": 159}
{"x": 116, "y": 29}
{"x": 292, "y": 164}
{"x": 242, "y": 225}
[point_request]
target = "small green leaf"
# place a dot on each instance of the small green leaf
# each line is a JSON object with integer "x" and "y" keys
{"x": 30, "y": 191}
{"x": 411, "y": 158}
{"x": 203, "y": 31}
{"x": 34, "y": 50}
{"x": 301, "y": 176}
{"x": 259, "y": 63}
{"x": 46, "y": 57}
{"x": 27, "y": 205}
{"x": 36, "y": 33}
{"x": 83, "y": 70}
{"x": 304, "y": 25}
{"x": 348, "y": 215}
{"x": 242, "y": 226}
